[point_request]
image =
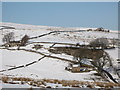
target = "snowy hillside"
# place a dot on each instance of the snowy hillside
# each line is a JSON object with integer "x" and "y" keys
{"x": 34, "y": 60}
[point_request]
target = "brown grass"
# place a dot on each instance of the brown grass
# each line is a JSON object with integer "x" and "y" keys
{"x": 71, "y": 83}
{"x": 21, "y": 79}
{"x": 5, "y": 79}
{"x": 99, "y": 84}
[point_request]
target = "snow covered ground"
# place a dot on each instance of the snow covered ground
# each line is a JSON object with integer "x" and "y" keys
{"x": 47, "y": 68}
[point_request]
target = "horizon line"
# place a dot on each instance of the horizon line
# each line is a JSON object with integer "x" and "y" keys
{"x": 57, "y": 26}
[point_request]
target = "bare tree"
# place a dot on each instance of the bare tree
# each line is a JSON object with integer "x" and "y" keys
{"x": 24, "y": 40}
{"x": 8, "y": 37}
{"x": 105, "y": 74}
{"x": 99, "y": 42}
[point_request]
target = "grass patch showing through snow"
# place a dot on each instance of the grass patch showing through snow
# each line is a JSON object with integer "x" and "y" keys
{"x": 65, "y": 83}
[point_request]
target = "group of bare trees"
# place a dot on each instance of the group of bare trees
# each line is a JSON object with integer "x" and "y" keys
{"x": 100, "y": 58}
{"x": 99, "y": 42}
{"x": 9, "y": 37}
{"x": 103, "y": 43}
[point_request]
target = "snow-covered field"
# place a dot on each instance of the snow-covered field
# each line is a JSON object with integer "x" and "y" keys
{"x": 47, "y": 68}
